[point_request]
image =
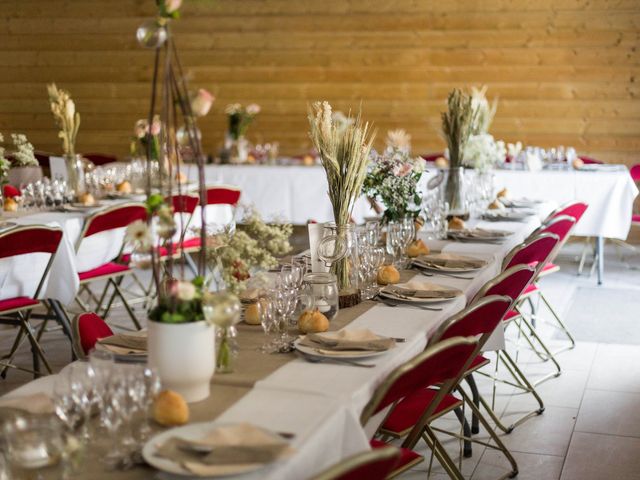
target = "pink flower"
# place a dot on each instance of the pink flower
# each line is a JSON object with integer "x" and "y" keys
{"x": 253, "y": 109}
{"x": 172, "y": 5}
{"x": 156, "y": 126}
{"x": 141, "y": 128}
{"x": 202, "y": 102}
{"x": 402, "y": 170}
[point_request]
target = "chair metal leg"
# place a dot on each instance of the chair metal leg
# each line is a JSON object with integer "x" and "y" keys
{"x": 500, "y": 445}
{"x": 535, "y": 335}
{"x": 116, "y": 286}
{"x": 35, "y": 346}
{"x": 191, "y": 263}
{"x": 14, "y": 348}
{"x": 63, "y": 319}
{"x": 441, "y": 454}
{"x": 475, "y": 427}
{"x": 467, "y": 450}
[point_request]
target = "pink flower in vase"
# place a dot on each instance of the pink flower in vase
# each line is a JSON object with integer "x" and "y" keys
{"x": 172, "y": 5}
{"x": 202, "y": 102}
{"x": 402, "y": 170}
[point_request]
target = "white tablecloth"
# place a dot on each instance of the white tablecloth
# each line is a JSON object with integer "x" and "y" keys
{"x": 322, "y": 402}
{"x": 298, "y": 194}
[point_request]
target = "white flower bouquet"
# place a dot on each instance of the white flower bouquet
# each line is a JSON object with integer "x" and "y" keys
{"x": 483, "y": 152}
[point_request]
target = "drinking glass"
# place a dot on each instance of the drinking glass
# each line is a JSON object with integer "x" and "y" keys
{"x": 285, "y": 301}
{"x": 35, "y": 448}
{"x": 266, "y": 310}
{"x": 395, "y": 241}
{"x": 113, "y": 416}
{"x": 373, "y": 232}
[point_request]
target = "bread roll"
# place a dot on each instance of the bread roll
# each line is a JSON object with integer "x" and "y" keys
{"x": 252, "y": 314}
{"x": 417, "y": 248}
{"x": 456, "y": 224}
{"x": 577, "y": 163}
{"x": 496, "y": 205}
{"x": 124, "y": 187}
{"x": 170, "y": 409}
{"x": 388, "y": 274}
{"x": 181, "y": 177}
{"x": 10, "y": 205}
{"x": 312, "y": 321}
{"x": 441, "y": 162}
{"x": 504, "y": 193}
{"x": 87, "y": 199}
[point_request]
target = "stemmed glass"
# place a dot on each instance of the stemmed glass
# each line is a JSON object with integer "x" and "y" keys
{"x": 372, "y": 228}
{"x": 395, "y": 241}
{"x": 266, "y": 310}
{"x": 285, "y": 300}
{"x": 408, "y": 235}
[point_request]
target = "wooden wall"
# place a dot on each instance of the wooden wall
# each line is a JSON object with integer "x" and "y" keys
{"x": 566, "y": 71}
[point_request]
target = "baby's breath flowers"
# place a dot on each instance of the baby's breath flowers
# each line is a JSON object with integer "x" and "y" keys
{"x": 24, "y": 155}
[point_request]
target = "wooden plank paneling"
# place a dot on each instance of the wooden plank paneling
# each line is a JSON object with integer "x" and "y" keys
{"x": 566, "y": 71}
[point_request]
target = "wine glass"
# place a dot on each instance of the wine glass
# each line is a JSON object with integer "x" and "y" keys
{"x": 267, "y": 313}
{"x": 395, "y": 241}
{"x": 372, "y": 228}
{"x": 285, "y": 300}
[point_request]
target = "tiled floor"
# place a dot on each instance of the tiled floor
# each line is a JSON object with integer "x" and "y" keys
{"x": 590, "y": 428}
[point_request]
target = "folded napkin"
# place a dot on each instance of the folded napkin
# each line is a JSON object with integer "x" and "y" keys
{"x": 519, "y": 203}
{"x": 38, "y": 403}
{"x": 227, "y": 450}
{"x": 448, "y": 260}
{"x": 420, "y": 289}
{"x": 343, "y": 340}
{"x": 479, "y": 233}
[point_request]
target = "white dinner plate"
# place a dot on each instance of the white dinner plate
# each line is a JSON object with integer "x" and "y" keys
{"x": 416, "y": 300}
{"x": 193, "y": 431}
{"x": 438, "y": 268}
{"x": 353, "y": 354}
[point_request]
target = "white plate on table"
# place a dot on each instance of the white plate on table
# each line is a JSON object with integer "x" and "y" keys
{"x": 192, "y": 431}
{"x": 490, "y": 236}
{"x": 507, "y": 215}
{"x": 439, "y": 268}
{"x": 350, "y": 354}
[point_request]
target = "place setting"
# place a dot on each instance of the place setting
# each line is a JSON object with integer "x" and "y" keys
{"x": 478, "y": 235}
{"x": 449, "y": 264}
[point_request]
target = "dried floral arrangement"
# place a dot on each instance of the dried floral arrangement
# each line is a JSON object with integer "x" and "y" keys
{"x": 483, "y": 110}
{"x": 255, "y": 245}
{"x": 23, "y": 155}
{"x": 457, "y": 125}
{"x": 65, "y": 116}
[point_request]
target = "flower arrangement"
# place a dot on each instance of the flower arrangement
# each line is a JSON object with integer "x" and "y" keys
{"x": 344, "y": 154}
{"x": 146, "y": 138}
{"x": 484, "y": 111}
{"x": 483, "y": 153}
{"x": 24, "y": 155}
{"x": 393, "y": 177}
{"x": 398, "y": 139}
{"x": 254, "y": 245}
{"x": 169, "y": 8}
{"x": 66, "y": 117}
{"x": 202, "y": 102}
{"x": 240, "y": 118}
{"x": 5, "y": 165}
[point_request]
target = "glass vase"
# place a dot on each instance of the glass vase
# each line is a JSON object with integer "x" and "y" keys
{"x": 226, "y": 348}
{"x": 339, "y": 249}
{"x": 454, "y": 194}
{"x": 75, "y": 173}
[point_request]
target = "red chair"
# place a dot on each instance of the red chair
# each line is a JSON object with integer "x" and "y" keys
{"x": 590, "y": 161}
{"x": 187, "y": 204}
{"x": 9, "y": 191}
{"x": 635, "y": 176}
{"x": 223, "y": 195}
{"x": 432, "y": 157}
{"x": 371, "y": 465}
{"x": 88, "y": 328}
{"x": 511, "y": 283}
{"x": 478, "y": 320}
{"x": 113, "y": 273}
{"x": 100, "y": 158}
{"x": 17, "y": 310}
{"x": 439, "y": 365}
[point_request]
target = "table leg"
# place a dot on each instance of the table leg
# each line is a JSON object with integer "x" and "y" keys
{"x": 600, "y": 258}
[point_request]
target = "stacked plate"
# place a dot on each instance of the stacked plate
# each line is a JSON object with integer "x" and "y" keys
{"x": 478, "y": 235}
{"x": 449, "y": 263}
{"x": 508, "y": 215}
{"x": 417, "y": 291}
{"x": 344, "y": 344}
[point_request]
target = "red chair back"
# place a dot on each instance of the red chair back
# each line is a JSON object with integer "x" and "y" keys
{"x": 558, "y": 225}
{"x": 9, "y": 191}
{"x": 184, "y": 203}
{"x": 100, "y": 158}
{"x": 635, "y": 173}
{"x": 116, "y": 217}
{"x": 575, "y": 210}
{"x": 223, "y": 195}
{"x": 510, "y": 283}
{"x": 432, "y": 157}
{"x": 90, "y": 328}
{"x": 478, "y": 319}
{"x": 29, "y": 239}
{"x": 370, "y": 465}
{"x": 534, "y": 252}
{"x": 590, "y": 161}
{"x": 438, "y": 364}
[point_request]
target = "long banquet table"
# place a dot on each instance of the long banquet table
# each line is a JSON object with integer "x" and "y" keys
{"x": 321, "y": 402}
{"x": 298, "y": 194}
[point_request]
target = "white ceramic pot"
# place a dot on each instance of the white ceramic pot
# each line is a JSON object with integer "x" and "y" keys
{"x": 184, "y": 356}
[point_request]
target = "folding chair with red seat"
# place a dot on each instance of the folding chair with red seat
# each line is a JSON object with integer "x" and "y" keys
{"x": 110, "y": 219}
{"x": 370, "y": 465}
{"x": 478, "y": 320}
{"x": 17, "y": 311}
{"x": 535, "y": 252}
{"x": 408, "y": 385}
{"x": 88, "y": 328}
{"x": 511, "y": 283}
